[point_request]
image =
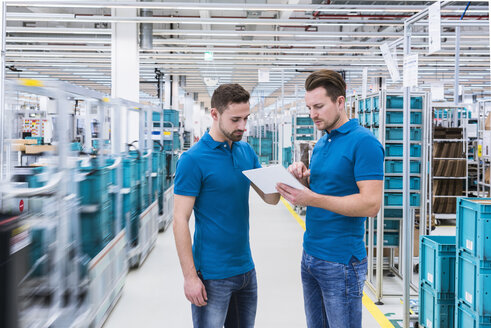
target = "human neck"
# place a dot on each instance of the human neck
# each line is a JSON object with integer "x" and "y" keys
{"x": 218, "y": 136}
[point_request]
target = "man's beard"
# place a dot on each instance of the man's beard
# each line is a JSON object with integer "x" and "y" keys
{"x": 231, "y": 135}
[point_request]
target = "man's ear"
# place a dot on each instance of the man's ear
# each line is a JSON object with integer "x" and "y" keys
{"x": 214, "y": 114}
{"x": 340, "y": 102}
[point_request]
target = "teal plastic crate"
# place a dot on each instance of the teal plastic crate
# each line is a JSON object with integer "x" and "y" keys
{"x": 368, "y": 118}
{"x": 397, "y": 134}
{"x": 361, "y": 106}
{"x": 474, "y": 227}
{"x": 392, "y": 183}
{"x": 264, "y": 159}
{"x": 173, "y": 143}
{"x": 395, "y": 199}
{"x": 437, "y": 264}
{"x": 361, "y": 119}
{"x": 287, "y": 156}
{"x": 375, "y": 132}
{"x": 396, "y": 150}
{"x": 376, "y": 103}
{"x": 94, "y": 187}
{"x": 397, "y": 102}
{"x": 394, "y": 166}
{"x": 171, "y": 116}
{"x": 388, "y": 224}
{"x": 466, "y": 318}
{"x": 368, "y": 104}
{"x": 96, "y": 229}
{"x": 393, "y": 212}
{"x": 398, "y": 117}
{"x": 304, "y": 120}
{"x": 305, "y": 130}
{"x": 435, "y": 312}
{"x": 473, "y": 284}
{"x": 391, "y": 239}
{"x": 305, "y": 138}
{"x": 375, "y": 118}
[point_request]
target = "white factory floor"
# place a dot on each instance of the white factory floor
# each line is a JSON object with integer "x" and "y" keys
{"x": 153, "y": 294}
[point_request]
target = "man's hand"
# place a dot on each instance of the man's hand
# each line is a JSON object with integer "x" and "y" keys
{"x": 300, "y": 171}
{"x": 299, "y": 197}
{"x": 195, "y": 291}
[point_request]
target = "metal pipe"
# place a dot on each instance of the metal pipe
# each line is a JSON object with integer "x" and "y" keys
{"x": 406, "y": 265}
{"x": 379, "y": 270}
{"x": 48, "y": 190}
{"x": 116, "y": 163}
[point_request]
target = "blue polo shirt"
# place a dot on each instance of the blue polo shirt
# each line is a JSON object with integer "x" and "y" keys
{"x": 348, "y": 154}
{"x": 212, "y": 172}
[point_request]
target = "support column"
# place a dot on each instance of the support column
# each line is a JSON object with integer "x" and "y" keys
{"x": 167, "y": 92}
{"x": 125, "y": 74}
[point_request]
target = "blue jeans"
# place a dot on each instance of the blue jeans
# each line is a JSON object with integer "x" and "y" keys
{"x": 332, "y": 292}
{"x": 232, "y": 302}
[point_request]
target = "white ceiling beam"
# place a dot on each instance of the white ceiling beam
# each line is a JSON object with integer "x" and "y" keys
{"x": 383, "y": 8}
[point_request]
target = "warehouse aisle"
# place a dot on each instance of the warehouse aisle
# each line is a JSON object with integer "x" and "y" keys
{"x": 153, "y": 295}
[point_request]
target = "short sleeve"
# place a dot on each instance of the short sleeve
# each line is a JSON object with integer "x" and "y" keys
{"x": 188, "y": 177}
{"x": 369, "y": 160}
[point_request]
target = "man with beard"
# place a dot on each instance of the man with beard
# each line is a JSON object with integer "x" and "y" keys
{"x": 345, "y": 183}
{"x": 219, "y": 275}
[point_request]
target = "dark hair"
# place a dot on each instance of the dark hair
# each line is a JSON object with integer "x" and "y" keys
{"x": 226, "y": 94}
{"x": 331, "y": 81}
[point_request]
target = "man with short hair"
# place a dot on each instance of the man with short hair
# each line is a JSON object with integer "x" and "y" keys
{"x": 344, "y": 186}
{"x": 219, "y": 275}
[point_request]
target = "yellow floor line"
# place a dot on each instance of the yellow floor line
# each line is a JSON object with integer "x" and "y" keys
{"x": 295, "y": 215}
{"x": 367, "y": 302}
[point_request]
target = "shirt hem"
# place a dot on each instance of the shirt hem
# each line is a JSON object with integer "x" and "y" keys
{"x": 226, "y": 275}
{"x": 369, "y": 177}
{"x": 185, "y": 193}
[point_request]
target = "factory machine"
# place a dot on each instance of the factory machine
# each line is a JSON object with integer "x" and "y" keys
{"x": 77, "y": 209}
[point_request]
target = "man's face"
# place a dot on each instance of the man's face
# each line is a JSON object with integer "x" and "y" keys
{"x": 233, "y": 120}
{"x": 325, "y": 113}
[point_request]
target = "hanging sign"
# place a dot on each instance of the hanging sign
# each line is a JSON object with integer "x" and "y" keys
{"x": 364, "y": 83}
{"x": 434, "y": 28}
{"x": 263, "y": 75}
{"x": 390, "y": 62}
{"x": 410, "y": 77}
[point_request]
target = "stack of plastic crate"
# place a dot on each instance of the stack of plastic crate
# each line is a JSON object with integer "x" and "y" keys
{"x": 394, "y": 148}
{"x": 96, "y": 222}
{"x": 437, "y": 282}
{"x": 473, "y": 278}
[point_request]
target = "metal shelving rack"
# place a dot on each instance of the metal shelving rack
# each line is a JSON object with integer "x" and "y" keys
{"x": 483, "y": 157}
{"x": 446, "y": 115}
{"x": 378, "y": 113}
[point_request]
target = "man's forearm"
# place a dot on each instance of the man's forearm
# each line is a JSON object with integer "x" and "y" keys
{"x": 272, "y": 199}
{"x": 182, "y": 237}
{"x": 352, "y": 205}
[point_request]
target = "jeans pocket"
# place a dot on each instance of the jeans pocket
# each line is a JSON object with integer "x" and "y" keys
{"x": 360, "y": 273}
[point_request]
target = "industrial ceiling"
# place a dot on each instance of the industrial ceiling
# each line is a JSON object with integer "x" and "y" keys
{"x": 224, "y": 41}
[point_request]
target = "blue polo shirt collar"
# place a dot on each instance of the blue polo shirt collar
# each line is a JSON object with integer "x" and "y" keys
{"x": 212, "y": 143}
{"x": 346, "y": 127}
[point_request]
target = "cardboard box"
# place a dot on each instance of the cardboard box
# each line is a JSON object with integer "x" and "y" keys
{"x": 24, "y": 141}
{"x": 37, "y": 149}
{"x": 486, "y": 175}
{"x": 487, "y": 124}
{"x": 18, "y": 147}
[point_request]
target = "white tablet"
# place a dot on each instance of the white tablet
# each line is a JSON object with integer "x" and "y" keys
{"x": 266, "y": 178}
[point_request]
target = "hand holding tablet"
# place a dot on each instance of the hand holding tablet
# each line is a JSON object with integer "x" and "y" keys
{"x": 266, "y": 178}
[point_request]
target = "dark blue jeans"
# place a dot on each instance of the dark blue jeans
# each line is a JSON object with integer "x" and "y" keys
{"x": 232, "y": 302}
{"x": 332, "y": 292}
